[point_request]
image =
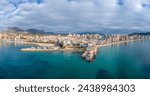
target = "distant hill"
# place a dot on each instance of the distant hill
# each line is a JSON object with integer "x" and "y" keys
{"x": 36, "y": 31}
{"x": 101, "y": 32}
{"x": 42, "y": 32}
{"x": 15, "y": 29}
{"x": 143, "y": 34}
{"x": 31, "y": 31}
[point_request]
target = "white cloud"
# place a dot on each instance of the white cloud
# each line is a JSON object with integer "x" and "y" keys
{"x": 75, "y": 15}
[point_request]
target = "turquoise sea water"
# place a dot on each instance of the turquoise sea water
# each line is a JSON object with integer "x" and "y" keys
{"x": 123, "y": 61}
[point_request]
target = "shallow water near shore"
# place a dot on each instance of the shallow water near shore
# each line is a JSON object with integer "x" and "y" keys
{"x": 121, "y": 61}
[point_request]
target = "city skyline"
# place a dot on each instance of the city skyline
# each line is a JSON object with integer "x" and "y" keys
{"x": 75, "y": 15}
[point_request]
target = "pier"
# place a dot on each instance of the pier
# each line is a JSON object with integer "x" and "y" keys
{"x": 33, "y": 49}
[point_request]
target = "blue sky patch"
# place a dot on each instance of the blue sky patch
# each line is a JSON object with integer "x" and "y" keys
{"x": 18, "y": 2}
{"x": 120, "y": 2}
{"x": 146, "y": 5}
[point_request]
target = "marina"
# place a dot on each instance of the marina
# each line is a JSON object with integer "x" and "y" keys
{"x": 40, "y": 49}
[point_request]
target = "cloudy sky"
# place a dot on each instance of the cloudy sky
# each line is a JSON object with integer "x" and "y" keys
{"x": 75, "y": 15}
